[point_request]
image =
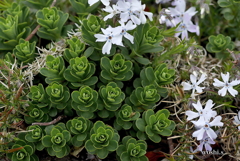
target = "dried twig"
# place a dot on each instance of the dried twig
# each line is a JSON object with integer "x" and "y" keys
{"x": 49, "y": 123}
{"x": 171, "y": 146}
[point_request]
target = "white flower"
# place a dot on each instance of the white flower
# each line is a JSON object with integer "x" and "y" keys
{"x": 105, "y": 2}
{"x": 185, "y": 26}
{"x": 128, "y": 11}
{"x": 195, "y": 84}
{"x": 142, "y": 14}
{"x": 206, "y": 141}
{"x": 124, "y": 28}
{"x": 203, "y": 114}
{"x": 205, "y": 127}
{"x": 226, "y": 85}
{"x": 112, "y": 10}
{"x": 179, "y": 11}
{"x": 111, "y": 37}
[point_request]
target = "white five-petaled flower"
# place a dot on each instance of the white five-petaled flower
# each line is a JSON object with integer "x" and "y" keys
{"x": 185, "y": 26}
{"x": 142, "y": 14}
{"x": 195, "y": 84}
{"x": 206, "y": 141}
{"x": 124, "y": 28}
{"x": 128, "y": 11}
{"x": 203, "y": 114}
{"x": 105, "y": 2}
{"x": 226, "y": 85}
{"x": 205, "y": 127}
{"x": 111, "y": 37}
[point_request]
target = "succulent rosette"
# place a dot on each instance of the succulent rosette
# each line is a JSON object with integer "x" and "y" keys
{"x": 103, "y": 139}
{"x": 144, "y": 98}
{"x": 58, "y": 95}
{"x": 54, "y": 69}
{"x": 153, "y": 125}
{"x": 34, "y": 135}
{"x": 132, "y": 149}
{"x": 11, "y": 32}
{"x": 218, "y": 44}
{"x": 164, "y": 76}
{"x": 25, "y": 152}
{"x": 116, "y": 69}
{"x": 91, "y": 26}
{"x": 80, "y": 128}
{"x": 76, "y": 47}
{"x": 36, "y": 114}
{"x": 38, "y": 95}
{"x": 84, "y": 101}
{"x": 80, "y": 72}
{"x": 52, "y": 23}
{"x": 124, "y": 117}
{"x": 56, "y": 140}
{"x": 111, "y": 98}
{"x": 82, "y": 7}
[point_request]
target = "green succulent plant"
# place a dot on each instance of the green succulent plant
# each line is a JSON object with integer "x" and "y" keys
{"x": 52, "y": 23}
{"x": 146, "y": 40}
{"x": 218, "y": 44}
{"x": 35, "y": 114}
{"x": 80, "y": 128}
{"x": 80, "y": 72}
{"x": 153, "y": 125}
{"x": 125, "y": 117}
{"x": 38, "y": 95}
{"x": 164, "y": 76}
{"x": 103, "y": 139}
{"x": 82, "y": 8}
{"x": 159, "y": 76}
{"x": 25, "y": 152}
{"x": 58, "y": 95}
{"x": 76, "y": 47}
{"x": 56, "y": 140}
{"x": 116, "y": 69}
{"x": 25, "y": 51}
{"x": 38, "y": 4}
{"x": 132, "y": 149}
{"x": 84, "y": 101}
{"x": 11, "y": 32}
{"x": 111, "y": 99}
{"x": 91, "y": 26}
{"x": 54, "y": 69}
{"x": 34, "y": 135}
{"x": 144, "y": 98}
{"x": 22, "y": 12}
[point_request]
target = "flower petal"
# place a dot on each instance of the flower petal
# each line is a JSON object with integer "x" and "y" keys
{"x": 199, "y": 134}
{"x": 202, "y": 78}
{"x": 232, "y": 91}
{"x": 129, "y": 37}
{"x": 107, "y": 47}
{"x": 216, "y": 121}
{"x": 193, "y": 79}
{"x": 218, "y": 83}
{"x": 198, "y": 106}
{"x": 211, "y": 133}
{"x": 191, "y": 115}
{"x": 223, "y": 91}
{"x": 225, "y": 77}
{"x": 186, "y": 86}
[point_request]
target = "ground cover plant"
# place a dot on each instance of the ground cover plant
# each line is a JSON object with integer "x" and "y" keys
{"x": 125, "y": 80}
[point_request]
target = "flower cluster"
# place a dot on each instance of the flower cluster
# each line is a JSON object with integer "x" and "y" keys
{"x": 130, "y": 12}
{"x": 178, "y": 15}
{"x": 205, "y": 134}
{"x": 226, "y": 85}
